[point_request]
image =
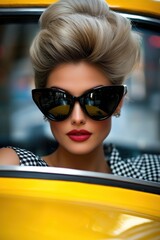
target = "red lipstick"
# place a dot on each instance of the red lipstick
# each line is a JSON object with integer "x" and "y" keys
{"x": 79, "y": 135}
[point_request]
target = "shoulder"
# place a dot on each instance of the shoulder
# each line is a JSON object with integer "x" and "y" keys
{"x": 8, "y": 157}
{"x": 149, "y": 166}
{"x": 142, "y": 166}
{"x": 21, "y": 157}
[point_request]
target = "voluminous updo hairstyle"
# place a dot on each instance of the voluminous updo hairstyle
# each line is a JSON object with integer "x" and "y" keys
{"x": 84, "y": 30}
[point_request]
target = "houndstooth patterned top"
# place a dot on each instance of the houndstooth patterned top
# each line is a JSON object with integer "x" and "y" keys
{"x": 144, "y": 167}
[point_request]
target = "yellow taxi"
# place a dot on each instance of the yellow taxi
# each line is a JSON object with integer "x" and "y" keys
{"x": 56, "y": 204}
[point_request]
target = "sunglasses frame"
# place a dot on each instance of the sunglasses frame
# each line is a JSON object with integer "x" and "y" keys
{"x": 36, "y": 94}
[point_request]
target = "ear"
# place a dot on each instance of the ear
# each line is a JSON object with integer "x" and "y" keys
{"x": 120, "y": 104}
{"x": 118, "y": 109}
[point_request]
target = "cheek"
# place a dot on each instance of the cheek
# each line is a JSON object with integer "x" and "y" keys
{"x": 104, "y": 125}
{"x": 56, "y": 128}
{"x": 103, "y": 128}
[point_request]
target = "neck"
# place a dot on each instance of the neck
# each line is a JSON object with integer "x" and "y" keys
{"x": 94, "y": 161}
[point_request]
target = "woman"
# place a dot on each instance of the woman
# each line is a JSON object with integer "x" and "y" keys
{"x": 81, "y": 58}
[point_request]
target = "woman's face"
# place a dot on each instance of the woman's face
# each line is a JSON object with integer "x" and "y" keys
{"x": 78, "y": 134}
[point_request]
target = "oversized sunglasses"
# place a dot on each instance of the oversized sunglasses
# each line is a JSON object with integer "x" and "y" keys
{"x": 98, "y": 103}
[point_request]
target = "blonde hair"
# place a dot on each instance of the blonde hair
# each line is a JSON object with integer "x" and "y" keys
{"x": 84, "y": 30}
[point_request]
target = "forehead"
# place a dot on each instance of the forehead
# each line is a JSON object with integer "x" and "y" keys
{"x": 76, "y": 78}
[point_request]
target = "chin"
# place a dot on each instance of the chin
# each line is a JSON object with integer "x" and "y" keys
{"x": 81, "y": 150}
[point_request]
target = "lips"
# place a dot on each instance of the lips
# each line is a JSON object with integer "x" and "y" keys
{"x": 79, "y": 135}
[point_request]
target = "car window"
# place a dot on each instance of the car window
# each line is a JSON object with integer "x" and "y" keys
{"x": 22, "y": 124}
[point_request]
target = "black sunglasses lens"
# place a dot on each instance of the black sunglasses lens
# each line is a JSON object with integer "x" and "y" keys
{"x": 102, "y": 102}
{"x": 54, "y": 104}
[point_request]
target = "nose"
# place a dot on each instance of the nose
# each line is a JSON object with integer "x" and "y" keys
{"x": 78, "y": 117}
